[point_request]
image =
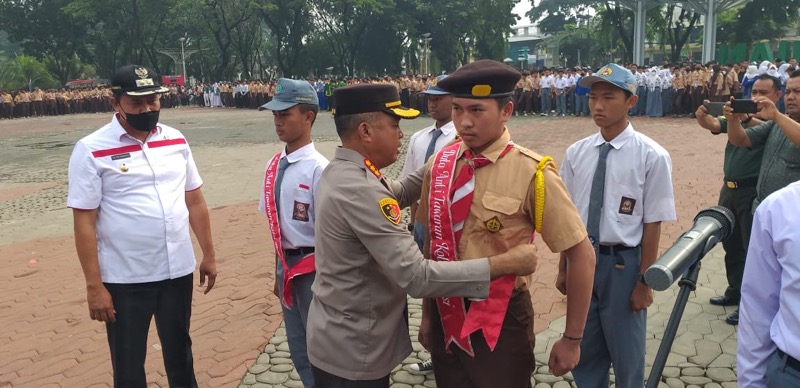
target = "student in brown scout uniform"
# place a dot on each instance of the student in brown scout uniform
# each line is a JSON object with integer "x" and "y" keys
{"x": 496, "y": 194}
{"x": 23, "y": 104}
{"x": 7, "y": 105}
{"x": 366, "y": 261}
{"x": 37, "y": 107}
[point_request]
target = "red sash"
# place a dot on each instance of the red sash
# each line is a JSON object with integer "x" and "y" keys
{"x": 486, "y": 315}
{"x": 306, "y": 264}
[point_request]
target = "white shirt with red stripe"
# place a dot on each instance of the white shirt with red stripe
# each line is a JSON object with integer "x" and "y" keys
{"x": 296, "y": 210}
{"x": 139, "y": 189}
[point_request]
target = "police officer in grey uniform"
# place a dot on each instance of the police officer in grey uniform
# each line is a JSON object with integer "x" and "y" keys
{"x": 366, "y": 260}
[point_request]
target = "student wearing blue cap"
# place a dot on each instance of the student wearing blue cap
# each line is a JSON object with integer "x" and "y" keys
{"x": 620, "y": 180}
{"x": 287, "y": 198}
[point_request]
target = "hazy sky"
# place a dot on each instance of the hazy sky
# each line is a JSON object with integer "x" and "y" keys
{"x": 520, "y": 9}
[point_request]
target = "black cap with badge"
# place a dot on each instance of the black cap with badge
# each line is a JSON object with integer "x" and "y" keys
{"x": 365, "y": 98}
{"x": 136, "y": 80}
{"x": 484, "y": 78}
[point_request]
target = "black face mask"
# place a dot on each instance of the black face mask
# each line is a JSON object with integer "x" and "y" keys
{"x": 144, "y": 122}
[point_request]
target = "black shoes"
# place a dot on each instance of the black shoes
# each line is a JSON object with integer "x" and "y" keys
{"x": 724, "y": 300}
{"x": 733, "y": 319}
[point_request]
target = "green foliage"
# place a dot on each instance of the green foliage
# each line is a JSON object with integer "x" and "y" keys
{"x": 16, "y": 73}
{"x": 553, "y": 16}
{"x": 232, "y": 39}
{"x": 757, "y": 20}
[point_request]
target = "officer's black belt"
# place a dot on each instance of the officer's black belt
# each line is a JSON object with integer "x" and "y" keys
{"x": 791, "y": 362}
{"x": 747, "y": 182}
{"x": 298, "y": 251}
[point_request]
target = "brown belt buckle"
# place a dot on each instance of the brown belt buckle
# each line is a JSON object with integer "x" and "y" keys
{"x": 731, "y": 185}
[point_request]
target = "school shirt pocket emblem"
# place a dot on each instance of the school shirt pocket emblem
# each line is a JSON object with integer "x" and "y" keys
{"x": 300, "y": 212}
{"x": 626, "y": 205}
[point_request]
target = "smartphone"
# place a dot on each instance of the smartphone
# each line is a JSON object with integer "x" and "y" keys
{"x": 744, "y": 106}
{"x": 714, "y": 108}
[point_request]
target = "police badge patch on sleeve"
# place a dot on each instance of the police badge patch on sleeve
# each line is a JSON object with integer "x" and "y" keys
{"x": 390, "y": 209}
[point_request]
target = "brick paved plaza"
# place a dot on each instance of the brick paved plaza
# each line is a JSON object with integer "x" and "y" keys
{"x": 48, "y": 340}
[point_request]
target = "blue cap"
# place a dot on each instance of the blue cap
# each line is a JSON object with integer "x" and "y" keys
{"x": 613, "y": 74}
{"x": 291, "y": 92}
{"x": 433, "y": 89}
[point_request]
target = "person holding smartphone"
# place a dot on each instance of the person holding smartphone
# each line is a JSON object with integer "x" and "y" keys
{"x": 779, "y": 135}
{"x": 741, "y": 168}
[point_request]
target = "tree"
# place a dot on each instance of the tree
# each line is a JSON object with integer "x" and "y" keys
{"x": 757, "y": 20}
{"x": 678, "y": 29}
{"x": 552, "y": 16}
{"x": 123, "y": 31}
{"x": 57, "y": 38}
{"x": 290, "y": 23}
{"x": 343, "y": 24}
{"x": 223, "y": 18}
{"x": 493, "y": 21}
{"x": 25, "y": 71}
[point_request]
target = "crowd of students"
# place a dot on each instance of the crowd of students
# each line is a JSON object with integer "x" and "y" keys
{"x": 667, "y": 90}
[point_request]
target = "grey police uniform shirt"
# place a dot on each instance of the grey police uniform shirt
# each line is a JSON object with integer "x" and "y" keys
{"x": 365, "y": 266}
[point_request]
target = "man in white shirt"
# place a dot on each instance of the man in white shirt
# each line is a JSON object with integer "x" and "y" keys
{"x": 769, "y": 346}
{"x": 546, "y": 92}
{"x": 429, "y": 140}
{"x": 135, "y": 191}
{"x": 287, "y": 198}
{"x": 620, "y": 181}
{"x": 421, "y": 146}
{"x": 570, "y": 91}
{"x": 561, "y": 84}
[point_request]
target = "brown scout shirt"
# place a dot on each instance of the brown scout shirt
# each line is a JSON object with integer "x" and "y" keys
{"x": 505, "y": 189}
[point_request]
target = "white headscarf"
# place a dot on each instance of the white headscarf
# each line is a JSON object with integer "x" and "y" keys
{"x": 772, "y": 70}
{"x": 763, "y": 67}
{"x": 782, "y": 72}
{"x": 752, "y": 72}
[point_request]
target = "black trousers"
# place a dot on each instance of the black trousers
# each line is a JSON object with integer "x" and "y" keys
{"x": 511, "y": 363}
{"x": 170, "y": 301}
{"x": 740, "y": 202}
{"x": 324, "y": 379}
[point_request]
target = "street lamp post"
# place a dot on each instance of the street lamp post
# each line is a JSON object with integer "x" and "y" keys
{"x": 184, "y": 39}
{"x": 427, "y": 37}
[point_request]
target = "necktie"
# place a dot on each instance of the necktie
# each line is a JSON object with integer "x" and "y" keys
{"x": 596, "y": 196}
{"x": 463, "y": 191}
{"x": 282, "y": 165}
{"x": 432, "y": 145}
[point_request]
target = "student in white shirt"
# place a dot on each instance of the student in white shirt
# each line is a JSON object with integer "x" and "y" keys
{"x": 623, "y": 212}
{"x": 546, "y": 92}
{"x": 429, "y": 140}
{"x": 561, "y": 84}
{"x": 287, "y": 198}
{"x": 421, "y": 146}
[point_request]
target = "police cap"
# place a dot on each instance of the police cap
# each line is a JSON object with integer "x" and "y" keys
{"x": 365, "y": 98}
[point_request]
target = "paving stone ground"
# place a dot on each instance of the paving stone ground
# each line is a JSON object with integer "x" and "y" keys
{"x": 48, "y": 340}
